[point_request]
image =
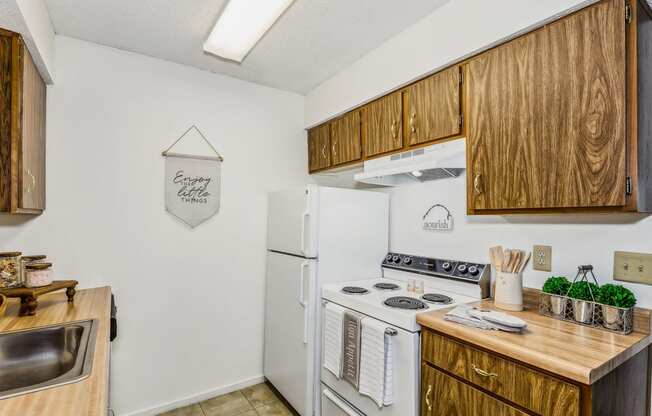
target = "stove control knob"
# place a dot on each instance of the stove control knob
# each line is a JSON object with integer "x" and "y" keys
{"x": 446, "y": 266}
{"x": 462, "y": 268}
{"x": 396, "y": 259}
{"x": 407, "y": 260}
{"x": 473, "y": 270}
{"x": 388, "y": 258}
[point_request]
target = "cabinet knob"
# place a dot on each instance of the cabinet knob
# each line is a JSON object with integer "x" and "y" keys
{"x": 477, "y": 183}
{"x": 428, "y": 402}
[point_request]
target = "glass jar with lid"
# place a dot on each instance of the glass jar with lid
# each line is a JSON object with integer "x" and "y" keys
{"x": 38, "y": 274}
{"x": 10, "y": 269}
{"x": 24, "y": 261}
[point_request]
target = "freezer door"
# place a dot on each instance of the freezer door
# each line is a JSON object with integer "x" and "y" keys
{"x": 292, "y": 221}
{"x": 290, "y": 316}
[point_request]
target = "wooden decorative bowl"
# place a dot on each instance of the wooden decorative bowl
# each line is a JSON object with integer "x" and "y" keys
{"x": 3, "y": 304}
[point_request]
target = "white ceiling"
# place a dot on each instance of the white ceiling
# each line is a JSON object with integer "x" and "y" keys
{"x": 310, "y": 43}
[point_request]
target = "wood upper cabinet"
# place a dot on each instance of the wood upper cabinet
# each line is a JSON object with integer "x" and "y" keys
{"x": 433, "y": 107}
{"x": 382, "y": 126}
{"x": 319, "y": 152}
{"x": 546, "y": 116}
{"x": 22, "y": 132}
{"x": 345, "y": 139}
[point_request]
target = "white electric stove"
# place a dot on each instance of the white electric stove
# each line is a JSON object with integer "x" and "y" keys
{"x": 446, "y": 283}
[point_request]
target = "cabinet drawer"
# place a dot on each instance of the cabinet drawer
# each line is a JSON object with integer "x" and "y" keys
{"x": 538, "y": 392}
{"x": 442, "y": 395}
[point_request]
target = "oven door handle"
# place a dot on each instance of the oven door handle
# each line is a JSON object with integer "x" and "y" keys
{"x": 339, "y": 403}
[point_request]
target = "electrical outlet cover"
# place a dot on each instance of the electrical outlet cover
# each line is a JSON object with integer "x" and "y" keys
{"x": 542, "y": 258}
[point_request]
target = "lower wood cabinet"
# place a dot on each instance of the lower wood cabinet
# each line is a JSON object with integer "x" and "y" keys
{"x": 459, "y": 379}
{"x": 22, "y": 129}
{"x": 443, "y": 395}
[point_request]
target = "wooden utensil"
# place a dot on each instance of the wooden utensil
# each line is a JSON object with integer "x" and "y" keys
{"x": 496, "y": 254}
{"x": 525, "y": 262}
{"x": 507, "y": 257}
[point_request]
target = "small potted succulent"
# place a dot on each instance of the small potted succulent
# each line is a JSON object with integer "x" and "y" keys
{"x": 583, "y": 294}
{"x": 615, "y": 300}
{"x": 557, "y": 287}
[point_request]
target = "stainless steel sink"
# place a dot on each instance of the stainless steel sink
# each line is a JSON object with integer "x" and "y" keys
{"x": 45, "y": 357}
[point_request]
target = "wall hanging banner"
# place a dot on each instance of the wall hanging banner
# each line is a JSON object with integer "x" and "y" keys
{"x": 192, "y": 184}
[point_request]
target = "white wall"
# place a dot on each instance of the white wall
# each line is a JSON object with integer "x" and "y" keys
{"x": 575, "y": 239}
{"x": 190, "y": 301}
{"x": 454, "y": 30}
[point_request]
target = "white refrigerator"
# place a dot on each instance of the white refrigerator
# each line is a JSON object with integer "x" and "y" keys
{"x": 315, "y": 235}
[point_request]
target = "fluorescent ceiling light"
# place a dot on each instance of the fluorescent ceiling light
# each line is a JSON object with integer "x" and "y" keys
{"x": 241, "y": 25}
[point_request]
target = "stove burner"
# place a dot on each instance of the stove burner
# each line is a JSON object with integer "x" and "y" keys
{"x": 386, "y": 286}
{"x": 437, "y": 298}
{"x": 354, "y": 290}
{"x": 404, "y": 302}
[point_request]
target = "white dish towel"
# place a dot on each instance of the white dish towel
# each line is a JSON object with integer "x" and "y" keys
{"x": 376, "y": 363}
{"x": 333, "y": 338}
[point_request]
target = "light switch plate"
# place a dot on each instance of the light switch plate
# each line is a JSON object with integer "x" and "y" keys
{"x": 542, "y": 258}
{"x": 633, "y": 267}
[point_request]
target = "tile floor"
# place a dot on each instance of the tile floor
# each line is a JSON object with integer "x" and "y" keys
{"x": 258, "y": 400}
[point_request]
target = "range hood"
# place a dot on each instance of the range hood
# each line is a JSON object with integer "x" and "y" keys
{"x": 439, "y": 161}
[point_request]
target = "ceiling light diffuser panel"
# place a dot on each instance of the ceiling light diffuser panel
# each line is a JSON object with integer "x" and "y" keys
{"x": 242, "y": 24}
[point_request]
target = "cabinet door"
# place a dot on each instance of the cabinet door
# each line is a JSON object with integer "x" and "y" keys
{"x": 32, "y": 187}
{"x": 547, "y": 116}
{"x": 434, "y": 110}
{"x": 319, "y": 152}
{"x": 382, "y": 125}
{"x": 345, "y": 139}
{"x": 443, "y": 395}
{"x": 6, "y": 53}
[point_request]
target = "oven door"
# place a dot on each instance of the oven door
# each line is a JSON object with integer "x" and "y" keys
{"x": 406, "y": 380}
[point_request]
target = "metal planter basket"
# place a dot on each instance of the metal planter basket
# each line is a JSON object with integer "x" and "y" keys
{"x": 585, "y": 312}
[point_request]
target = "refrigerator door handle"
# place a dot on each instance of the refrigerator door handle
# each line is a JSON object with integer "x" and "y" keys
{"x": 304, "y": 217}
{"x": 302, "y": 300}
{"x": 339, "y": 403}
{"x": 302, "y": 279}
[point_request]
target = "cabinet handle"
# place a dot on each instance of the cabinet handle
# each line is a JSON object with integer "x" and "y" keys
{"x": 428, "y": 402}
{"x": 31, "y": 188}
{"x": 394, "y": 129}
{"x": 333, "y": 148}
{"x": 477, "y": 183}
{"x": 323, "y": 151}
{"x": 482, "y": 372}
{"x": 413, "y": 123}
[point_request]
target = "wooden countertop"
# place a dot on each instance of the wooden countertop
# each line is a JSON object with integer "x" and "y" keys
{"x": 571, "y": 351}
{"x": 88, "y": 397}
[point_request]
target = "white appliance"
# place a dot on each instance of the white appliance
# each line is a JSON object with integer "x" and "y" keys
{"x": 386, "y": 299}
{"x": 315, "y": 235}
{"x": 444, "y": 160}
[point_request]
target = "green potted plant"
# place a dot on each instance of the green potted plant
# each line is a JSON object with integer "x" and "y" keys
{"x": 615, "y": 300}
{"x": 584, "y": 295}
{"x": 557, "y": 287}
